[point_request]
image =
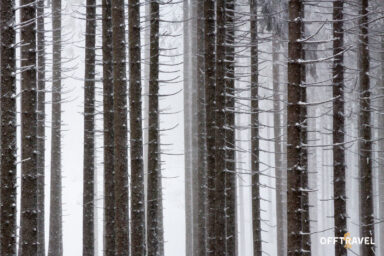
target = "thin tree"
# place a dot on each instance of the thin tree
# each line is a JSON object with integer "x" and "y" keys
{"x": 109, "y": 185}
{"x": 136, "y": 133}
{"x": 55, "y": 247}
{"x": 209, "y": 81}
{"x": 28, "y": 211}
{"x": 297, "y": 194}
{"x": 365, "y": 134}
{"x": 255, "y": 152}
{"x": 41, "y": 127}
{"x": 89, "y": 131}
{"x": 154, "y": 194}
{"x": 120, "y": 129}
{"x": 339, "y": 166}
{"x": 8, "y": 129}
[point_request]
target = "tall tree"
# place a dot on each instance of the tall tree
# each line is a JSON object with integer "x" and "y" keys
{"x": 154, "y": 194}
{"x": 28, "y": 222}
{"x": 255, "y": 153}
{"x": 136, "y": 135}
{"x": 120, "y": 129}
{"x": 41, "y": 127}
{"x": 365, "y": 134}
{"x": 297, "y": 194}
{"x": 339, "y": 166}
{"x": 55, "y": 246}
{"x": 209, "y": 82}
{"x": 109, "y": 185}
{"x": 89, "y": 131}
{"x": 8, "y": 129}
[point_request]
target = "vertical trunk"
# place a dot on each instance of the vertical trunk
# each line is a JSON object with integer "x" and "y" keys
{"x": 28, "y": 222}
{"x": 154, "y": 236}
{"x": 339, "y": 197}
{"x": 297, "y": 194}
{"x": 8, "y": 129}
{"x": 55, "y": 247}
{"x": 280, "y": 191}
{"x": 230, "y": 175}
{"x": 381, "y": 150}
{"x": 187, "y": 134}
{"x": 89, "y": 131}
{"x": 109, "y": 184}
{"x": 120, "y": 129}
{"x": 220, "y": 232}
{"x": 365, "y": 135}
{"x": 137, "y": 174}
{"x": 209, "y": 70}
{"x": 255, "y": 163}
{"x": 201, "y": 181}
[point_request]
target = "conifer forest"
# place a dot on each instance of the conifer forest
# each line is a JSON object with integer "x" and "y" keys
{"x": 191, "y": 127}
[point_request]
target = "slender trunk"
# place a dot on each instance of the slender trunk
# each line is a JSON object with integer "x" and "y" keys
{"x": 89, "y": 131}
{"x": 120, "y": 130}
{"x": 255, "y": 143}
{"x": 29, "y": 173}
{"x": 230, "y": 174}
{"x": 109, "y": 172}
{"x": 209, "y": 70}
{"x": 8, "y": 129}
{"x": 297, "y": 194}
{"x": 340, "y": 206}
{"x": 137, "y": 173}
{"x": 365, "y": 135}
{"x": 381, "y": 149}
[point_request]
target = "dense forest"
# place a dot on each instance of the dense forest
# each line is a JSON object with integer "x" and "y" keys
{"x": 191, "y": 127}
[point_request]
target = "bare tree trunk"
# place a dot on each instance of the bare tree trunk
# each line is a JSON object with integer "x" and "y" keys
{"x": 89, "y": 131}
{"x": 109, "y": 172}
{"x": 381, "y": 150}
{"x": 365, "y": 135}
{"x": 120, "y": 130}
{"x": 28, "y": 212}
{"x": 230, "y": 174}
{"x": 297, "y": 194}
{"x": 255, "y": 162}
{"x": 137, "y": 172}
{"x": 209, "y": 70}
{"x": 339, "y": 166}
{"x": 8, "y": 129}
{"x": 154, "y": 232}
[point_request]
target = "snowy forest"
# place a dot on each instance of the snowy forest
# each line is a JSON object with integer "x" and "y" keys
{"x": 191, "y": 127}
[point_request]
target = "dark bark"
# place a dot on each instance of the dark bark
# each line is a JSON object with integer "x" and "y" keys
{"x": 120, "y": 129}
{"x": 365, "y": 135}
{"x": 8, "y": 129}
{"x": 29, "y": 173}
{"x": 339, "y": 166}
{"x": 136, "y": 139}
{"x": 297, "y": 194}
{"x": 89, "y": 131}
{"x": 255, "y": 153}
{"x": 209, "y": 70}
{"x": 109, "y": 182}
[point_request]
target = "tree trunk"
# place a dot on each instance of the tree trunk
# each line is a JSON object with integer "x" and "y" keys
{"x": 109, "y": 172}
{"x": 8, "y": 130}
{"x": 89, "y": 131}
{"x": 230, "y": 174}
{"x": 154, "y": 232}
{"x": 29, "y": 173}
{"x": 137, "y": 172}
{"x": 255, "y": 153}
{"x": 120, "y": 129}
{"x": 297, "y": 194}
{"x": 209, "y": 70}
{"x": 381, "y": 150}
{"x": 365, "y": 135}
{"x": 340, "y": 206}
